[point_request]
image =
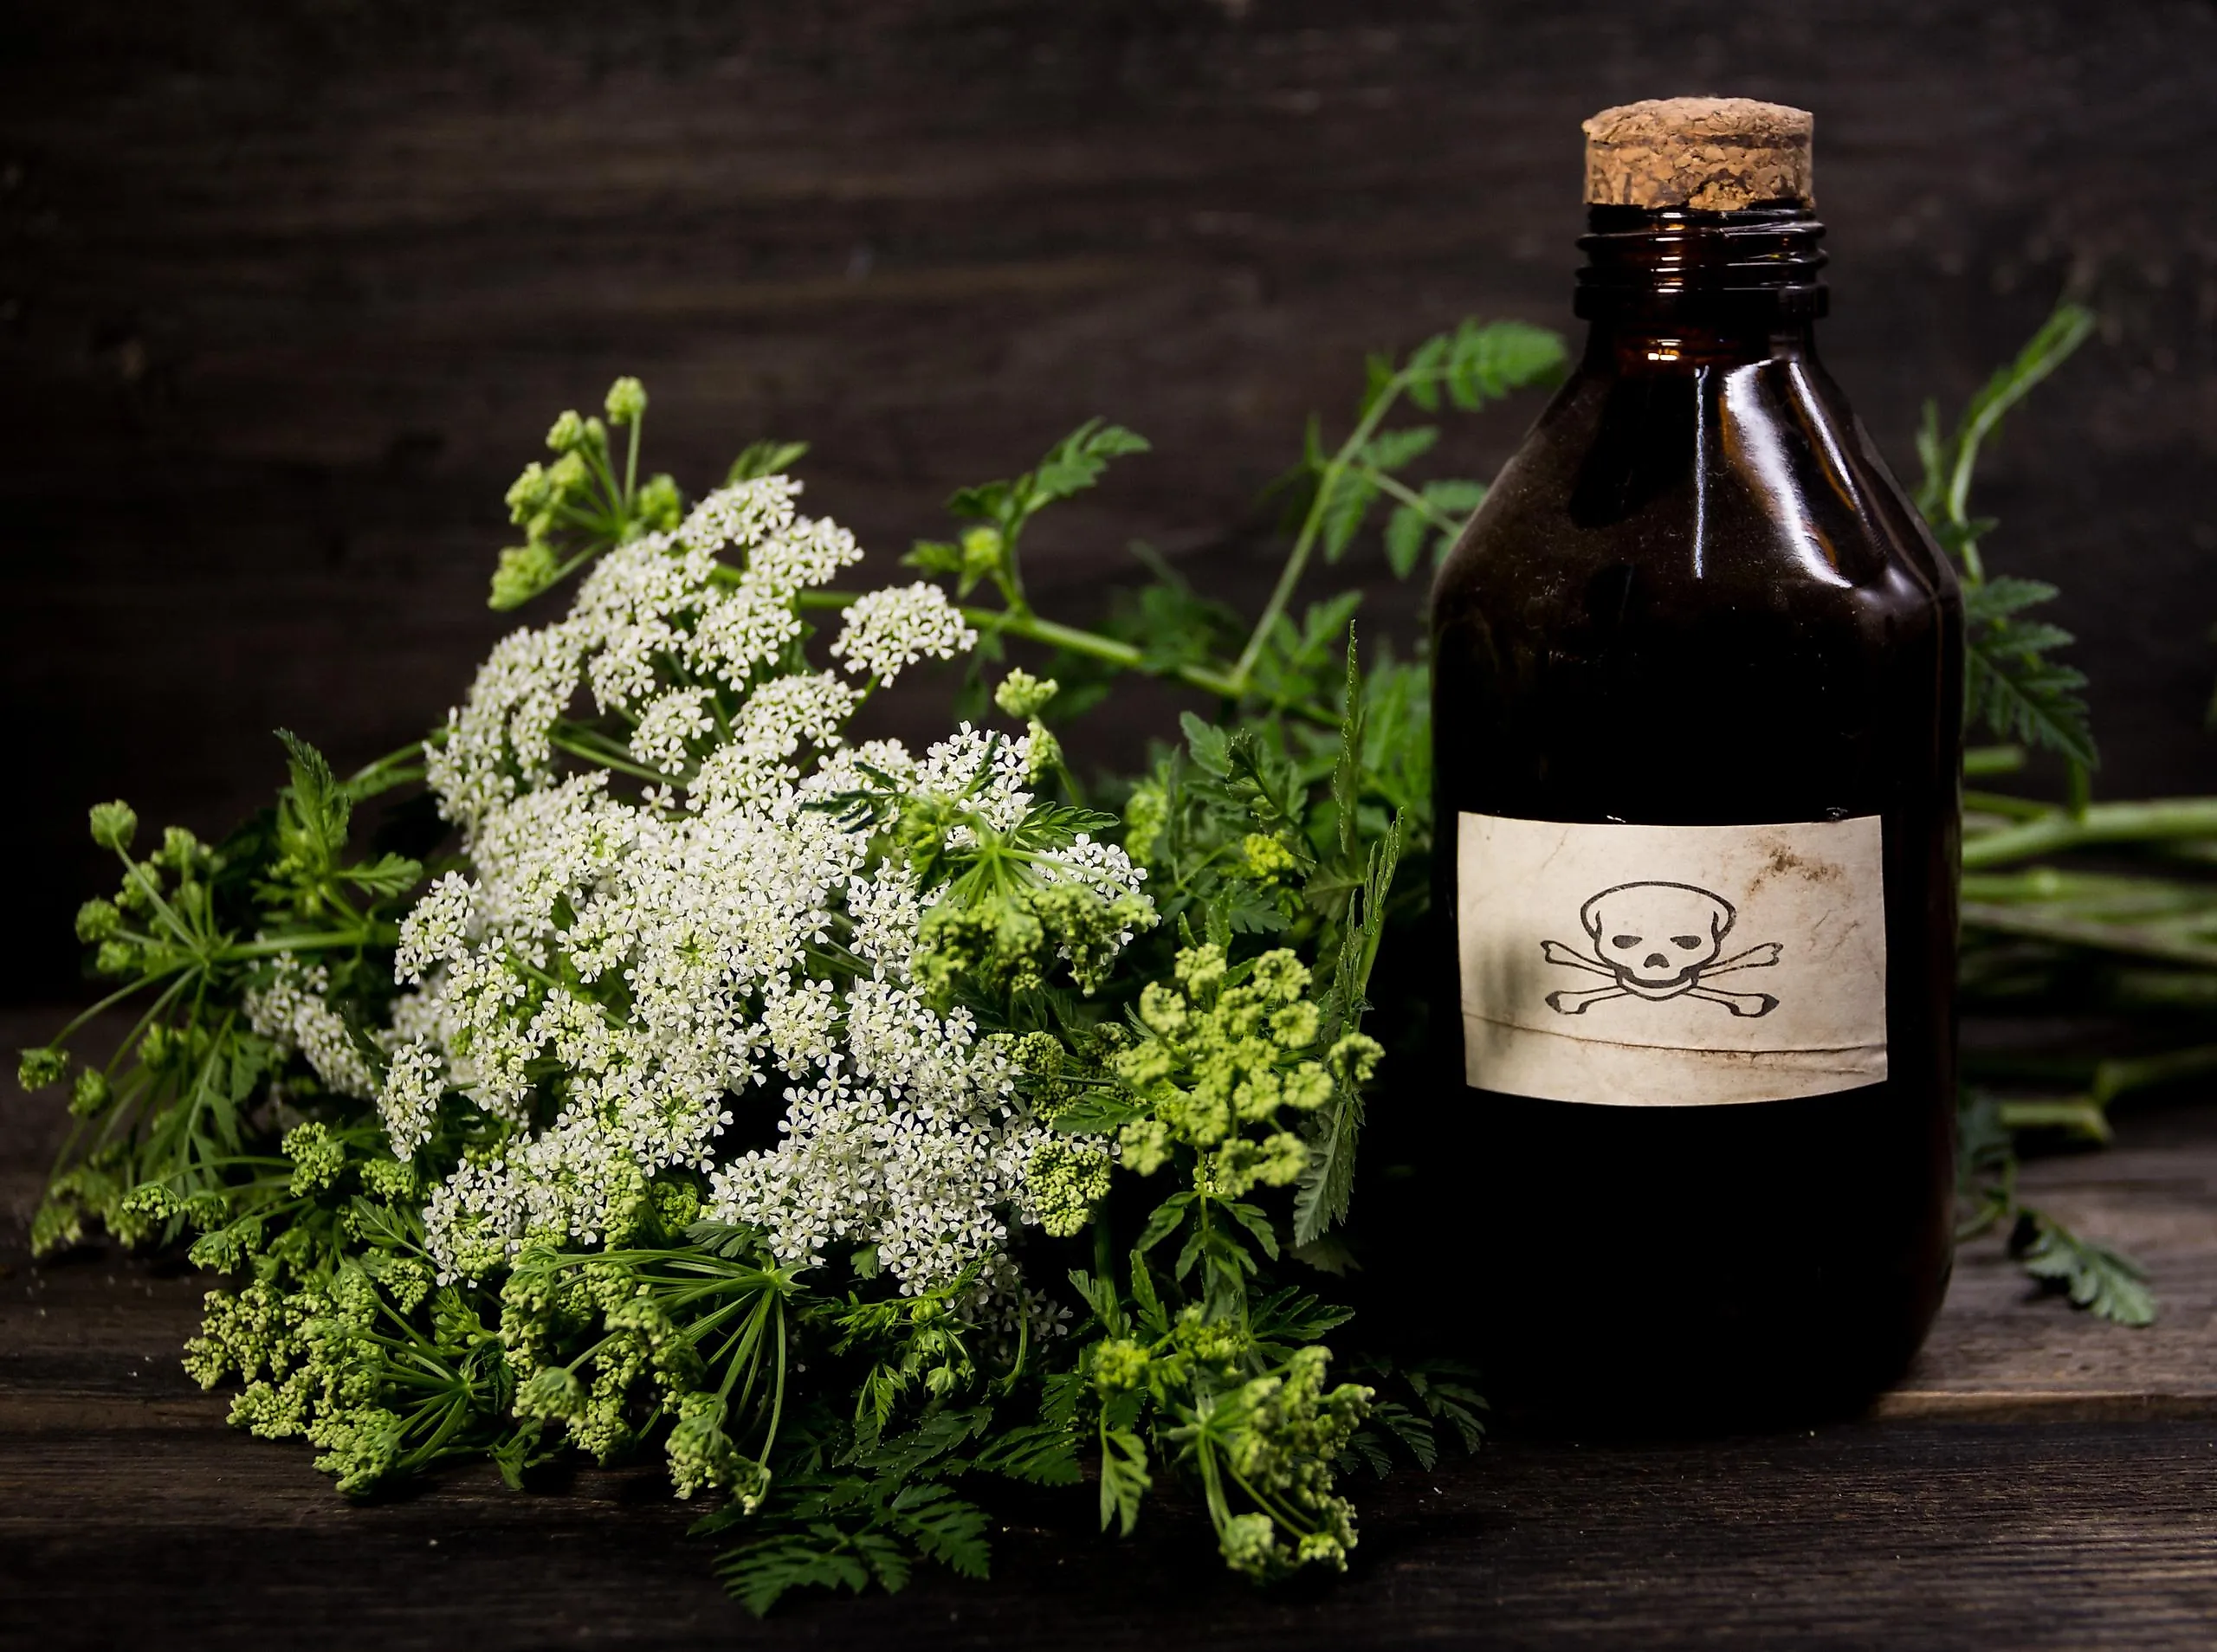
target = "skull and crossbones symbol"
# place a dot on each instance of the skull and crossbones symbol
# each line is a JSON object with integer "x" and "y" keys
{"x": 1659, "y": 941}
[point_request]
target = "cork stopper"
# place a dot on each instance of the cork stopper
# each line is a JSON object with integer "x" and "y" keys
{"x": 1711, "y": 154}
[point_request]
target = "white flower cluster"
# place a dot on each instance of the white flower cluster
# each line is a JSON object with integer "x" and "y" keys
{"x": 294, "y": 1013}
{"x": 892, "y": 629}
{"x": 619, "y": 979}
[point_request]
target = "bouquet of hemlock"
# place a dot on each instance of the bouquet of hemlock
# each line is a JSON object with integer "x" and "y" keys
{"x": 844, "y": 1123}
{"x": 848, "y": 1125}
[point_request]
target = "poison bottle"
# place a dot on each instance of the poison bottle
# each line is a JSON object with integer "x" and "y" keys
{"x": 1697, "y": 723}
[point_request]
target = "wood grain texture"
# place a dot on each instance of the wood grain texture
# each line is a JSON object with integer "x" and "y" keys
{"x": 287, "y": 293}
{"x": 2039, "y": 1480}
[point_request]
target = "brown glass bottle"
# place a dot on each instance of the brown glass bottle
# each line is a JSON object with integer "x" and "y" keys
{"x": 1696, "y": 598}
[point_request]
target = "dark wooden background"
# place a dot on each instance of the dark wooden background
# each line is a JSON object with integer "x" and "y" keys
{"x": 288, "y": 291}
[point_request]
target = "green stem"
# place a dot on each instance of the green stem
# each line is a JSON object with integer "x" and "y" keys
{"x": 1305, "y": 544}
{"x": 605, "y": 753}
{"x": 2033, "y": 924}
{"x": 1993, "y": 759}
{"x": 1393, "y": 488}
{"x": 390, "y": 771}
{"x": 109, "y": 1002}
{"x": 2000, "y": 802}
{"x": 272, "y": 945}
{"x": 1123, "y": 655}
{"x": 2126, "y": 823}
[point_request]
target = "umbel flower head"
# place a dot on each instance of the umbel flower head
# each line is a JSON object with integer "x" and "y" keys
{"x": 717, "y": 977}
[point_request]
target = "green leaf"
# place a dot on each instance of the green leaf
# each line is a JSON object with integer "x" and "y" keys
{"x": 1098, "y": 1114}
{"x": 759, "y": 1574}
{"x": 764, "y": 458}
{"x": 316, "y": 807}
{"x": 1327, "y": 1185}
{"x": 1100, "y": 1296}
{"x": 1293, "y": 1317}
{"x": 1169, "y": 1217}
{"x": 934, "y": 557}
{"x": 2106, "y": 1283}
{"x": 1145, "y": 1298}
{"x": 899, "y": 1459}
{"x": 2025, "y": 697}
{"x": 1124, "y": 1479}
{"x": 1078, "y": 461}
{"x": 1039, "y": 1454}
{"x": 1347, "y": 770}
{"x": 1455, "y": 496}
{"x": 1949, "y": 464}
{"x": 387, "y": 876}
{"x": 1413, "y": 1432}
{"x": 1404, "y": 534}
{"x": 1484, "y": 363}
{"x": 1352, "y": 493}
{"x": 1390, "y": 449}
{"x": 1251, "y": 1217}
{"x": 1998, "y": 597}
{"x": 1450, "y": 1399}
{"x": 949, "y": 1529}
{"x": 1209, "y": 743}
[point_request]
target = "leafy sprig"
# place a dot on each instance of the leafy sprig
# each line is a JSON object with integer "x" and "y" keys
{"x": 2021, "y": 691}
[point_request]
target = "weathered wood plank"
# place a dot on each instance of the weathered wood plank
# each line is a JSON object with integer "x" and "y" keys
{"x": 288, "y": 295}
{"x": 2040, "y": 1481}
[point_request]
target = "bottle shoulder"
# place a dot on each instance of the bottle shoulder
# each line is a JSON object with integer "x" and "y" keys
{"x": 1753, "y": 479}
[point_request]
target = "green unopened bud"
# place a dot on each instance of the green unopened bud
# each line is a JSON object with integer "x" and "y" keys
{"x": 114, "y": 825}
{"x": 1355, "y": 1057}
{"x": 596, "y": 434}
{"x": 90, "y": 1093}
{"x": 981, "y": 551}
{"x": 627, "y": 400}
{"x": 659, "y": 507}
{"x": 37, "y": 1068}
{"x": 566, "y": 432}
{"x": 390, "y": 1178}
{"x": 525, "y": 571}
{"x": 566, "y": 476}
{"x": 318, "y": 1160}
{"x": 1268, "y": 859}
{"x": 1021, "y": 694}
{"x": 117, "y": 958}
{"x": 554, "y": 1393}
{"x": 97, "y": 920}
{"x": 527, "y": 493}
{"x": 180, "y": 849}
{"x": 150, "y": 1202}
{"x": 1119, "y": 1366}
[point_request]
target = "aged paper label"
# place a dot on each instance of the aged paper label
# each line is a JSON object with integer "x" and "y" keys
{"x": 1671, "y": 965}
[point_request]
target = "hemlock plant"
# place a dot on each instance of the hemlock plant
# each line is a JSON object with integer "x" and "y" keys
{"x": 847, "y": 1125}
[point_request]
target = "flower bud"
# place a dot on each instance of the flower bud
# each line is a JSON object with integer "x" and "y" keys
{"x": 179, "y": 848}
{"x": 97, "y": 920}
{"x": 90, "y": 1093}
{"x": 114, "y": 825}
{"x": 527, "y": 493}
{"x": 1021, "y": 694}
{"x": 627, "y": 400}
{"x": 525, "y": 571}
{"x": 37, "y": 1068}
{"x": 658, "y": 504}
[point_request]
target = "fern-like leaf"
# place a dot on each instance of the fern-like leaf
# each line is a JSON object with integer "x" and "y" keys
{"x": 2107, "y": 1283}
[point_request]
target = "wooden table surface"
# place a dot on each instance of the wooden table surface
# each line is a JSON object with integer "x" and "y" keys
{"x": 2040, "y": 1479}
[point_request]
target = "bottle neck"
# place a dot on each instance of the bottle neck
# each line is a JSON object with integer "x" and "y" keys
{"x": 1670, "y": 288}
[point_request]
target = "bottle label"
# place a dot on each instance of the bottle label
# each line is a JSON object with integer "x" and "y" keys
{"x": 1671, "y": 965}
